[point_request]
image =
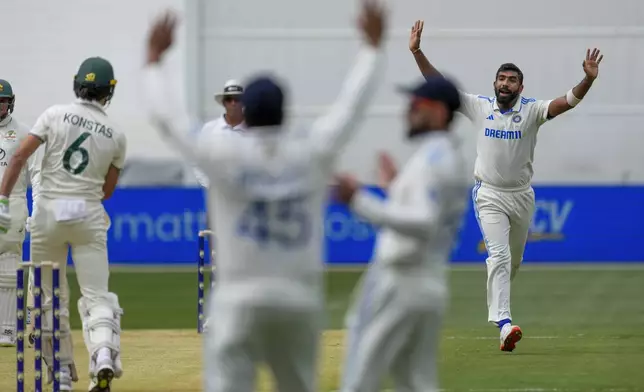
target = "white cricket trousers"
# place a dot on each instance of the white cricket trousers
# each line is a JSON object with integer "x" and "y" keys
{"x": 51, "y": 240}
{"x": 504, "y": 217}
{"x": 394, "y": 329}
{"x": 243, "y": 333}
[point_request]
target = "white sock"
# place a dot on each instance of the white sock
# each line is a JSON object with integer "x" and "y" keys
{"x": 7, "y": 309}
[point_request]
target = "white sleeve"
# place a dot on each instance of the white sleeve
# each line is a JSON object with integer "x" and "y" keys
{"x": 42, "y": 128}
{"x": 470, "y": 106}
{"x": 415, "y": 219}
{"x": 173, "y": 123}
{"x": 119, "y": 159}
{"x": 332, "y": 131}
{"x": 541, "y": 111}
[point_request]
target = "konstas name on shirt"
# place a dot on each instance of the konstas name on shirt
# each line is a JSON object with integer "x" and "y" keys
{"x": 90, "y": 125}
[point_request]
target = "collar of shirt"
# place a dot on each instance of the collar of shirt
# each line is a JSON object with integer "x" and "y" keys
{"x": 238, "y": 127}
{"x": 91, "y": 103}
{"x": 5, "y": 121}
{"x": 515, "y": 109}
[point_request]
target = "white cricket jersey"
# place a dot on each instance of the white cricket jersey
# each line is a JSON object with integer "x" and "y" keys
{"x": 12, "y": 133}
{"x": 81, "y": 143}
{"x": 269, "y": 188}
{"x": 422, "y": 214}
{"x": 506, "y": 141}
{"x": 217, "y": 125}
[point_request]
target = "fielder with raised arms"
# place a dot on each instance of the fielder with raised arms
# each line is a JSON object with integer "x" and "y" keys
{"x": 503, "y": 196}
{"x": 84, "y": 153}
{"x": 268, "y": 190}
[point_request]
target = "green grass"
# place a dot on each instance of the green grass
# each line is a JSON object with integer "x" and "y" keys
{"x": 583, "y": 327}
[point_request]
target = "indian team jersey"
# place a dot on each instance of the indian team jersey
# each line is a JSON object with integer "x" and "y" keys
{"x": 505, "y": 141}
{"x": 81, "y": 144}
{"x": 424, "y": 210}
{"x": 269, "y": 208}
{"x": 268, "y": 188}
{"x": 11, "y": 135}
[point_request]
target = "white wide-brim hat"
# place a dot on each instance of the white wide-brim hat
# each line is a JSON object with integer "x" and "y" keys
{"x": 232, "y": 87}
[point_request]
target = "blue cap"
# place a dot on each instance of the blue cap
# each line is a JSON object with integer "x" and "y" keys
{"x": 437, "y": 88}
{"x": 262, "y": 99}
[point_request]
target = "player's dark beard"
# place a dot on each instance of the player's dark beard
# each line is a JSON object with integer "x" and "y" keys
{"x": 505, "y": 99}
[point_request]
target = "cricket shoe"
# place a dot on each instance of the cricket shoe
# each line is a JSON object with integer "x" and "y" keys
{"x": 8, "y": 337}
{"x": 103, "y": 379}
{"x": 65, "y": 379}
{"x": 510, "y": 335}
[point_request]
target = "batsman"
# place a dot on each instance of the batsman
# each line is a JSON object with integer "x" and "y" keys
{"x": 12, "y": 133}
{"x": 84, "y": 154}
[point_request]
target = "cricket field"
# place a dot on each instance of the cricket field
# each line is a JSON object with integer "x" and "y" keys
{"x": 583, "y": 331}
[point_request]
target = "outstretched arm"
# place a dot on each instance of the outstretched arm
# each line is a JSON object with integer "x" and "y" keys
{"x": 426, "y": 68}
{"x": 169, "y": 116}
{"x": 469, "y": 102}
{"x": 416, "y": 218}
{"x": 332, "y": 131}
{"x": 576, "y": 94}
{"x": 34, "y": 164}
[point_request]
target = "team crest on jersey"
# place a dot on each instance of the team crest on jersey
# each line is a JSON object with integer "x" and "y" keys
{"x": 11, "y": 136}
{"x": 516, "y": 119}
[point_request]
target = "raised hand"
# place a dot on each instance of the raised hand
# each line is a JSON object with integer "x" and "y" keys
{"x": 372, "y": 21}
{"x": 591, "y": 64}
{"x": 161, "y": 36}
{"x": 414, "y": 37}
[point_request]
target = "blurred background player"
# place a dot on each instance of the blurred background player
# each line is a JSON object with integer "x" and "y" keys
{"x": 394, "y": 326}
{"x": 268, "y": 190}
{"x": 84, "y": 154}
{"x": 503, "y": 196}
{"x": 231, "y": 121}
{"x": 11, "y": 135}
